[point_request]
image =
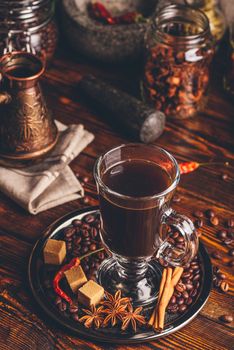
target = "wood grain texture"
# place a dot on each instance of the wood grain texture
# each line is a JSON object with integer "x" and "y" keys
{"x": 208, "y": 137}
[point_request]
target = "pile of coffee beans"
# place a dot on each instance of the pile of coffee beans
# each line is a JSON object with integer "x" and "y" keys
{"x": 225, "y": 234}
{"x": 187, "y": 288}
{"x": 82, "y": 237}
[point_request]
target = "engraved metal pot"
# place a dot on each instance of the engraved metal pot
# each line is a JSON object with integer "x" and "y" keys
{"x": 27, "y": 129}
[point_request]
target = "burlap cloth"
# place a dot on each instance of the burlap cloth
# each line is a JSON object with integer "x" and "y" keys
{"x": 46, "y": 183}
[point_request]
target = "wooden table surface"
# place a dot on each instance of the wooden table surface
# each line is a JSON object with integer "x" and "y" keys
{"x": 208, "y": 137}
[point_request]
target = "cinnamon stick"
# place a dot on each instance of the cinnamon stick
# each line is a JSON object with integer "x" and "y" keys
{"x": 162, "y": 283}
{"x": 169, "y": 280}
{"x": 164, "y": 299}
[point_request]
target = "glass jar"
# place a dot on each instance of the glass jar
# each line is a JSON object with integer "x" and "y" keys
{"x": 178, "y": 50}
{"x": 28, "y": 25}
{"x": 228, "y": 79}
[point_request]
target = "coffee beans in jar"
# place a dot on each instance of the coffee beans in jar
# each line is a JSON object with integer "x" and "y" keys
{"x": 28, "y": 25}
{"x": 178, "y": 51}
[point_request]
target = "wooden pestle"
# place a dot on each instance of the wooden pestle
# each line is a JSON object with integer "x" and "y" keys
{"x": 135, "y": 117}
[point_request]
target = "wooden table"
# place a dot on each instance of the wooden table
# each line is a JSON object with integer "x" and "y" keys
{"x": 207, "y": 137}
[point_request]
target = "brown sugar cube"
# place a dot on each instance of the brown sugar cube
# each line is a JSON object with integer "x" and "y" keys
{"x": 90, "y": 293}
{"x": 54, "y": 252}
{"x": 75, "y": 278}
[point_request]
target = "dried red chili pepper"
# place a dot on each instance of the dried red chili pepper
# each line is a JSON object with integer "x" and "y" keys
{"x": 188, "y": 167}
{"x": 99, "y": 12}
{"x": 60, "y": 274}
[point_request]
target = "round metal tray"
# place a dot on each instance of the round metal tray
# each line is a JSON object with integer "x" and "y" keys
{"x": 111, "y": 335}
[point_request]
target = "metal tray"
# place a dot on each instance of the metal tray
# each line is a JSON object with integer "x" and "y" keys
{"x": 111, "y": 335}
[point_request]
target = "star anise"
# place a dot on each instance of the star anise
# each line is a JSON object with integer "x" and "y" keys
{"x": 115, "y": 300}
{"x": 114, "y": 308}
{"x": 132, "y": 317}
{"x": 93, "y": 317}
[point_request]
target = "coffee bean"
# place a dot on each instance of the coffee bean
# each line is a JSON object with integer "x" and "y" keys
{"x": 186, "y": 275}
{"x": 230, "y": 223}
{"x": 85, "y": 227}
{"x": 173, "y": 309}
{"x": 210, "y": 213}
{"x": 228, "y": 241}
{"x": 197, "y": 284}
{"x": 180, "y": 301}
{"x": 177, "y": 294}
{"x": 180, "y": 287}
{"x": 189, "y": 301}
{"x": 175, "y": 235}
{"x": 84, "y": 250}
{"x": 69, "y": 232}
{"x": 226, "y": 318}
{"x": 185, "y": 294}
{"x": 73, "y": 309}
{"x": 86, "y": 243}
{"x": 189, "y": 286}
{"x": 193, "y": 293}
{"x": 214, "y": 221}
{"x": 62, "y": 306}
{"x": 85, "y": 233}
{"x": 231, "y": 252}
{"x": 58, "y": 300}
{"x": 89, "y": 219}
{"x": 173, "y": 299}
{"x": 221, "y": 275}
{"x": 195, "y": 267}
{"x": 101, "y": 255}
{"x": 216, "y": 255}
{"x": 198, "y": 223}
{"x": 85, "y": 267}
{"x": 198, "y": 214}
{"x": 224, "y": 286}
{"x": 224, "y": 177}
{"x": 182, "y": 308}
{"x": 75, "y": 317}
{"x": 231, "y": 263}
{"x": 93, "y": 247}
{"x": 77, "y": 240}
{"x": 76, "y": 223}
{"x": 93, "y": 232}
{"x": 196, "y": 277}
{"x": 222, "y": 234}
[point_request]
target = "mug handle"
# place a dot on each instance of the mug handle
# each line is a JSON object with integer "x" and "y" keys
{"x": 168, "y": 251}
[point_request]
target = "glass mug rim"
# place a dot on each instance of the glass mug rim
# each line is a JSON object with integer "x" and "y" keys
{"x": 173, "y": 185}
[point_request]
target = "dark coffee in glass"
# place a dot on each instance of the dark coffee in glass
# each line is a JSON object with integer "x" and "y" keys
{"x": 131, "y": 231}
{"x": 135, "y": 184}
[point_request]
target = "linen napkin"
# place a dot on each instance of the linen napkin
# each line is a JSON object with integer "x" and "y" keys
{"x": 46, "y": 183}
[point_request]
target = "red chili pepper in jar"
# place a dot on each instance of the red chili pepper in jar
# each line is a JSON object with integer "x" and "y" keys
{"x": 60, "y": 274}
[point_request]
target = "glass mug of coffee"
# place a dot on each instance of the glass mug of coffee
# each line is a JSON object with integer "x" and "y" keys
{"x": 135, "y": 183}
